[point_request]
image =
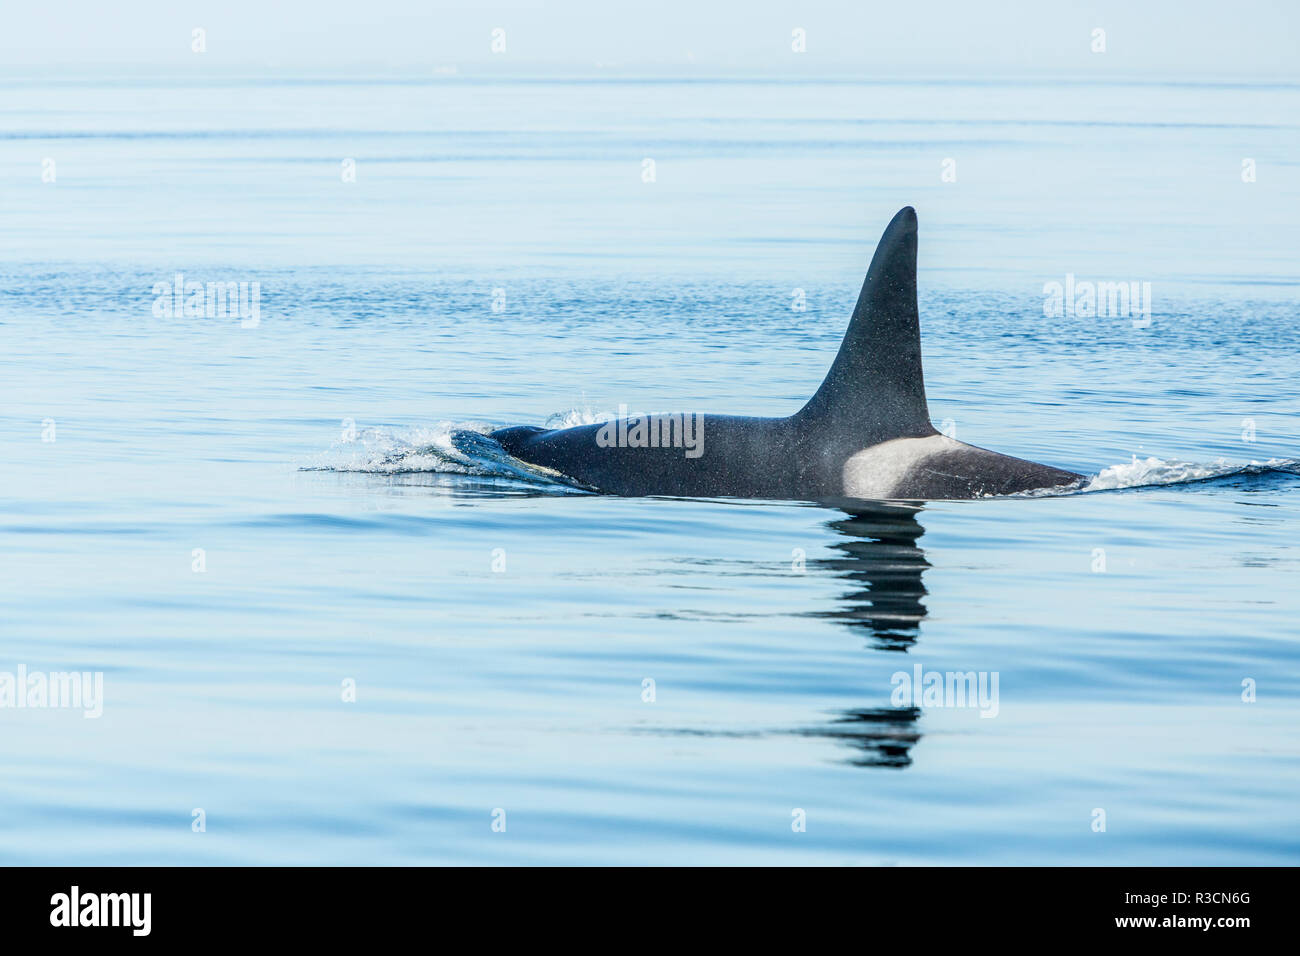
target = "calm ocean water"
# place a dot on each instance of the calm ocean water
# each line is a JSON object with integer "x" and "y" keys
{"x": 640, "y": 681}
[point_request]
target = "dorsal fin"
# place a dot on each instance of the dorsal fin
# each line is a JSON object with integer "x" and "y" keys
{"x": 875, "y": 390}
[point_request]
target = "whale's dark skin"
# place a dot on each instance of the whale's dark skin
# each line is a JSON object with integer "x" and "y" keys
{"x": 866, "y": 433}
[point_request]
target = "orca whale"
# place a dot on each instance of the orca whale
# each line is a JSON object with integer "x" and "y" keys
{"x": 864, "y": 434}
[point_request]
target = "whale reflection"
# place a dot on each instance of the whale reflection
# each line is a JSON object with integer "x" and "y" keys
{"x": 879, "y": 736}
{"x": 880, "y": 559}
{"x": 878, "y": 556}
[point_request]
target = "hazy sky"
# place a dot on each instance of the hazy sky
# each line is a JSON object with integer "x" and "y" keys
{"x": 1174, "y": 38}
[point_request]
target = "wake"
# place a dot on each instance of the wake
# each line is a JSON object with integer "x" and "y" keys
{"x": 447, "y": 448}
{"x": 1161, "y": 473}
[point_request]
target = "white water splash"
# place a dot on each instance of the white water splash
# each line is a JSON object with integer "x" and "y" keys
{"x": 1146, "y": 472}
{"x": 578, "y": 416}
{"x": 387, "y": 451}
{"x": 455, "y": 448}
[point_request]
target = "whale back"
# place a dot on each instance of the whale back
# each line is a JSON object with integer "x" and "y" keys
{"x": 864, "y": 434}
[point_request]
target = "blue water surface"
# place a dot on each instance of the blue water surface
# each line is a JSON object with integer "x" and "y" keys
{"x": 546, "y": 676}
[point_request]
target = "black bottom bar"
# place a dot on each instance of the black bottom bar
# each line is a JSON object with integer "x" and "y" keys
{"x": 1223, "y": 905}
